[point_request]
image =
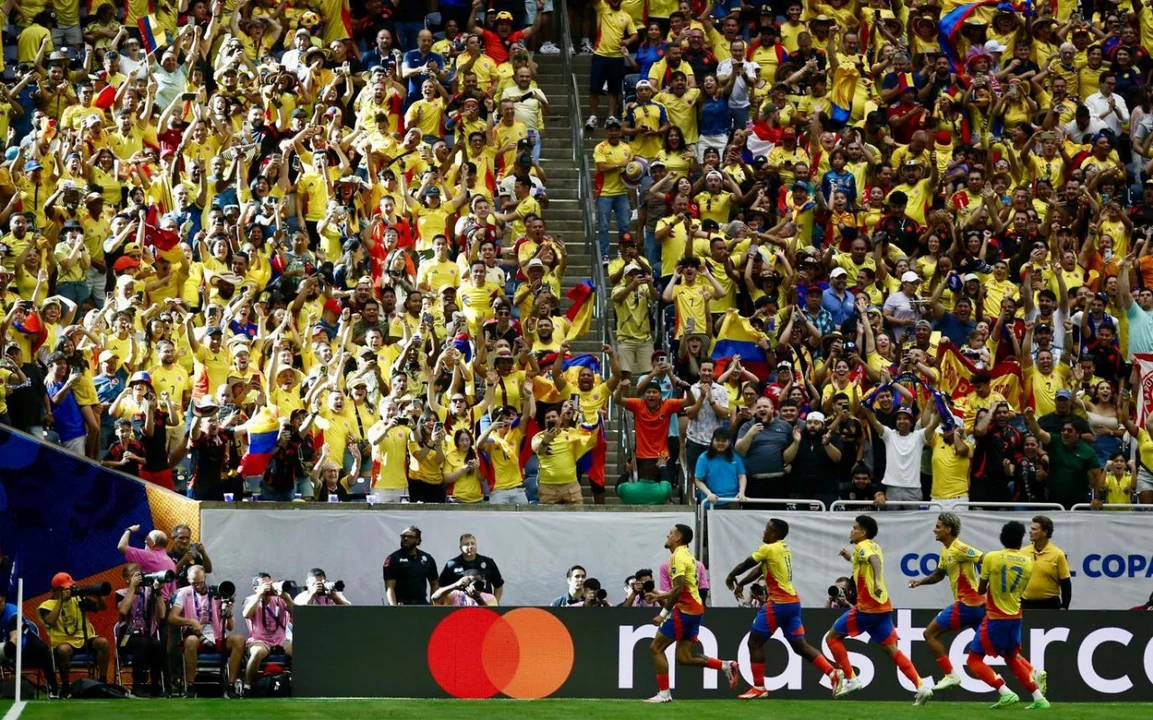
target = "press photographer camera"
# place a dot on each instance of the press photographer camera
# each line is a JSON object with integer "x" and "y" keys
{"x": 225, "y": 591}
{"x": 65, "y": 617}
{"x": 595, "y": 595}
{"x": 637, "y": 587}
{"x": 468, "y": 591}
{"x": 842, "y": 594}
{"x": 96, "y": 590}
{"x": 318, "y": 591}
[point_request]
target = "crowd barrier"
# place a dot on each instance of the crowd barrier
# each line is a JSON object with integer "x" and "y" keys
{"x": 529, "y": 653}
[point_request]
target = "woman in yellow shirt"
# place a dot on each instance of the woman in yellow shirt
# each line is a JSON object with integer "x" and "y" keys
{"x": 677, "y": 158}
{"x": 461, "y": 469}
{"x": 425, "y": 474}
{"x": 1120, "y": 483}
{"x": 103, "y": 173}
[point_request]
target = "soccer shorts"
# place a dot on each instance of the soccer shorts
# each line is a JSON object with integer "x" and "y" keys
{"x": 786, "y": 616}
{"x": 960, "y": 616}
{"x": 997, "y": 638}
{"x": 680, "y": 626}
{"x": 878, "y": 625}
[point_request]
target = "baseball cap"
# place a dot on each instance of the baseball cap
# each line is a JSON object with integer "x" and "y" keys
{"x": 124, "y": 262}
{"x": 140, "y": 377}
{"x": 504, "y": 15}
{"x": 816, "y": 415}
{"x": 838, "y": 272}
{"x": 910, "y": 276}
{"x": 903, "y": 409}
{"x": 1064, "y": 394}
{"x": 62, "y": 580}
{"x": 644, "y": 84}
{"x": 612, "y": 121}
{"x": 971, "y": 277}
{"x": 32, "y": 165}
{"x": 789, "y": 133}
{"x": 106, "y": 356}
{"x": 632, "y": 268}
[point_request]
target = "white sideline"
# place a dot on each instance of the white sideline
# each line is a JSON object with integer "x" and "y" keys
{"x": 14, "y": 711}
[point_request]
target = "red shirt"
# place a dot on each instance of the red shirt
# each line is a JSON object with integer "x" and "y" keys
{"x": 652, "y": 428}
{"x": 497, "y": 47}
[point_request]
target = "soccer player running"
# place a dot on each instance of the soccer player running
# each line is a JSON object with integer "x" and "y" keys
{"x": 1004, "y": 575}
{"x": 959, "y": 562}
{"x": 681, "y": 618}
{"x": 873, "y": 613}
{"x": 783, "y": 610}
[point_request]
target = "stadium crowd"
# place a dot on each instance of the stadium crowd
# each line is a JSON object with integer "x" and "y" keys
{"x": 300, "y": 250}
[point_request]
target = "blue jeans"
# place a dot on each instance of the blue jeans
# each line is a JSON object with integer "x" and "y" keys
{"x": 609, "y": 205}
{"x": 740, "y": 117}
{"x": 532, "y": 479}
{"x": 77, "y": 291}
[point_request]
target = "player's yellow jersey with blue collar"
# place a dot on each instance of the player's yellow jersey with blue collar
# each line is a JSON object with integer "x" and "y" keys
{"x": 1007, "y": 572}
{"x": 683, "y": 564}
{"x": 869, "y": 601}
{"x": 960, "y": 563}
{"x": 776, "y": 561}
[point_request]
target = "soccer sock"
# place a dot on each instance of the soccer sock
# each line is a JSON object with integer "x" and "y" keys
{"x": 1028, "y": 665}
{"x": 820, "y": 663}
{"x": 983, "y": 672}
{"x": 714, "y": 663}
{"x": 663, "y": 682}
{"x": 945, "y": 664}
{"x": 841, "y": 655}
{"x": 906, "y": 667}
{"x": 758, "y": 674}
{"x": 1021, "y": 671}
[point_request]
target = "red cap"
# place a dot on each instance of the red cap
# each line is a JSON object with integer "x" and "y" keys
{"x": 124, "y": 262}
{"x": 789, "y": 133}
{"x": 332, "y": 306}
{"x": 62, "y": 580}
{"x": 944, "y": 137}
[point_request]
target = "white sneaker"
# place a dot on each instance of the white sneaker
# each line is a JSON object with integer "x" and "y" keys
{"x": 949, "y": 681}
{"x": 586, "y": 47}
{"x": 1042, "y": 679}
{"x": 548, "y": 48}
{"x": 849, "y": 685}
{"x": 838, "y": 681}
{"x": 661, "y": 697}
{"x": 924, "y": 695}
{"x": 591, "y": 123}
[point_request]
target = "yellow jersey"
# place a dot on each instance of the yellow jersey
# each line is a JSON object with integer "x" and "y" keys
{"x": 868, "y": 600}
{"x": 776, "y": 561}
{"x": 1007, "y": 572}
{"x": 960, "y": 563}
{"x": 684, "y": 565}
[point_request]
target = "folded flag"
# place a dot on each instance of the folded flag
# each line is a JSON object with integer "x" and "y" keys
{"x": 580, "y": 313}
{"x": 737, "y": 336}
{"x": 263, "y": 429}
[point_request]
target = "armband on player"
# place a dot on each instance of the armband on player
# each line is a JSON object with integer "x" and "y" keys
{"x": 665, "y": 614}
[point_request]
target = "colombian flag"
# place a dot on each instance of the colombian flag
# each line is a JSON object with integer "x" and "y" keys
{"x": 592, "y": 463}
{"x": 950, "y": 25}
{"x": 263, "y": 430}
{"x": 580, "y": 313}
{"x": 737, "y": 336}
{"x": 152, "y": 33}
{"x": 165, "y": 242}
{"x": 956, "y": 369}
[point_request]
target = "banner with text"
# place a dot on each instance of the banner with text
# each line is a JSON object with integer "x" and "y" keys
{"x": 528, "y": 653}
{"x": 1110, "y": 557}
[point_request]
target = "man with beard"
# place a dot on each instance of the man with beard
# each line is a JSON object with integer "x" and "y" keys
{"x": 761, "y": 443}
{"x": 170, "y": 377}
{"x": 210, "y": 370}
{"x": 998, "y": 451}
{"x": 903, "y": 449}
{"x": 813, "y": 455}
{"x": 653, "y": 418}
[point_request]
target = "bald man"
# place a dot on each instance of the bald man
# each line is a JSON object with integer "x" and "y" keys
{"x": 153, "y": 558}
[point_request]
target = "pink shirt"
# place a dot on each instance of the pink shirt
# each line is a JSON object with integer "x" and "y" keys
{"x": 151, "y": 561}
{"x": 665, "y": 583}
{"x": 201, "y": 608}
{"x": 269, "y": 623}
{"x": 459, "y": 598}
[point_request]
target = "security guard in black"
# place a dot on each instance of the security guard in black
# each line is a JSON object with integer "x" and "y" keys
{"x": 409, "y": 573}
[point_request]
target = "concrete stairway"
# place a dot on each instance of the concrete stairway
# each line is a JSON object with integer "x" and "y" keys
{"x": 565, "y": 216}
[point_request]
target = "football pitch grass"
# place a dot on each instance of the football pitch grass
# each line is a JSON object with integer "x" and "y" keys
{"x": 354, "y": 709}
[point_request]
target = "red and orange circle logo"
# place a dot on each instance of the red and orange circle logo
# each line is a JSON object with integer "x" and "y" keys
{"x": 476, "y": 653}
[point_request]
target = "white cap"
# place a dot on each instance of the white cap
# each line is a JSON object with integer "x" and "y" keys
{"x": 535, "y": 262}
{"x": 910, "y": 276}
{"x": 838, "y": 272}
{"x": 633, "y": 267}
{"x": 815, "y": 415}
{"x": 644, "y": 83}
{"x": 971, "y": 276}
{"x": 994, "y": 46}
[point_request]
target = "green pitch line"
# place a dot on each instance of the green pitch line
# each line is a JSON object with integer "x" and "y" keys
{"x": 292, "y": 709}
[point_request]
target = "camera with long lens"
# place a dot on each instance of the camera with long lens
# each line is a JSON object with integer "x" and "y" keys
{"x": 283, "y": 586}
{"x": 648, "y": 586}
{"x": 95, "y": 590}
{"x": 477, "y": 586}
{"x": 328, "y": 587}
{"x": 164, "y": 576}
{"x": 836, "y": 592}
{"x": 599, "y": 593}
{"x": 226, "y": 591}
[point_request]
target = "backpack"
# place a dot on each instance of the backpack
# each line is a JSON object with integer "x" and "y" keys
{"x": 271, "y": 686}
{"x": 89, "y": 689}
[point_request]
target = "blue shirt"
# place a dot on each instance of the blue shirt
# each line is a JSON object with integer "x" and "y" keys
{"x": 8, "y": 622}
{"x": 716, "y": 118}
{"x": 415, "y": 59}
{"x": 649, "y": 55}
{"x": 843, "y": 181}
{"x": 66, "y": 413}
{"x": 719, "y": 474}
{"x": 108, "y": 388}
{"x": 954, "y": 329}
{"x": 840, "y": 309}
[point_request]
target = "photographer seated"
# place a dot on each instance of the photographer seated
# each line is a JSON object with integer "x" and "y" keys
{"x": 595, "y": 595}
{"x": 317, "y": 591}
{"x": 36, "y": 653}
{"x": 141, "y": 607}
{"x": 204, "y": 619}
{"x": 637, "y": 587}
{"x": 68, "y": 627}
{"x": 465, "y": 592}
{"x": 266, "y": 611}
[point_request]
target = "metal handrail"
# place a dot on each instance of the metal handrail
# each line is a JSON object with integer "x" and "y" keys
{"x": 1112, "y": 506}
{"x": 846, "y": 504}
{"x": 703, "y": 506}
{"x": 587, "y": 203}
{"x": 1051, "y": 507}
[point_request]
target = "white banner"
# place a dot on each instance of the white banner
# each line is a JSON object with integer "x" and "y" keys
{"x": 1110, "y": 555}
{"x": 532, "y": 549}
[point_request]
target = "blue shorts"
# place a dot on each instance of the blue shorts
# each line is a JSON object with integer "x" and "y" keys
{"x": 878, "y": 625}
{"x": 680, "y": 626}
{"x": 997, "y": 638}
{"x": 786, "y": 616}
{"x": 960, "y": 616}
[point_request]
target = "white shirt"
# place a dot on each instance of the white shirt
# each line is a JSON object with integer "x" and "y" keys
{"x": 702, "y": 427}
{"x": 740, "y": 95}
{"x": 903, "y": 458}
{"x": 1098, "y": 106}
{"x": 1076, "y": 134}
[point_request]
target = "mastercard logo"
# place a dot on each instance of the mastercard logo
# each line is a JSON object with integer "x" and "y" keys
{"x": 478, "y": 653}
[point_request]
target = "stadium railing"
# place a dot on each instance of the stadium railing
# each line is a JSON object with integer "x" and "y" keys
{"x": 910, "y": 504}
{"x": 587, "y": 204}
{"x": 1051, "y": 507}
{"x": 703, "y": 507}
{"x": 1133, "y": 507}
